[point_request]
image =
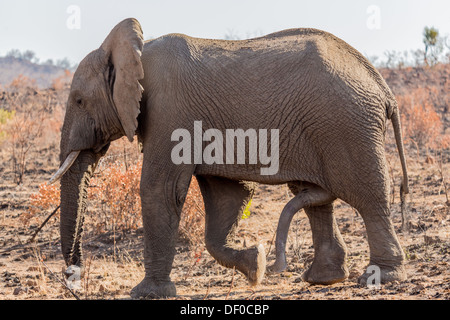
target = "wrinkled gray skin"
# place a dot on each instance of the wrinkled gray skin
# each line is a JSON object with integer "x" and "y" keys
{"x": 330, "y": 105}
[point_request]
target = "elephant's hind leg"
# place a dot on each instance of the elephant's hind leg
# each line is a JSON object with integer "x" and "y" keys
{"x": 330, "y": 253}
{"x": 308, "y": 195}
{"x": 225, "y": 201}
{"x": 385, "y": 249}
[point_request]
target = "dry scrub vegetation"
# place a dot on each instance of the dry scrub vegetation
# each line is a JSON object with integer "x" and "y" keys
{"x": 30, "y": 124}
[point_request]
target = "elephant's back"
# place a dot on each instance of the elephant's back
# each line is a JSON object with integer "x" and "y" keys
{"x": 290, "y": 72}
{"x": 296, "y": 48}
{"x": 286, "y": 42}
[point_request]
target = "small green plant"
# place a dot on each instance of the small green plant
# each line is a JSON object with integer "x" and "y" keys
{"x": 246, "y": 213}
{"x": 433, "y": 45}
{"x": 5, "y": 116}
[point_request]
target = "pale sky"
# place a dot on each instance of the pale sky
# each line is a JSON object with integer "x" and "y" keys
{"x": 371, "y": 26}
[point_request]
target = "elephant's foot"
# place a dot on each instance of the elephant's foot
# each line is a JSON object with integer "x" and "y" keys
{"x": 256, "y": 266}
{"x": 278, "y": 266}
{"x": 325, "y": 274}
{"x": 328, "y": 266}
{"x": 149, "y": 289}
{"x": 375, "y": 275}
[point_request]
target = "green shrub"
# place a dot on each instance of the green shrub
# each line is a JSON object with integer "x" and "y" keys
{"x": 5, "y": 115}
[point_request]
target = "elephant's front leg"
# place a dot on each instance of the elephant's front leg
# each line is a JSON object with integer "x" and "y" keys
{"x": 162, "y": 195}
{"x": 225, "y": 201}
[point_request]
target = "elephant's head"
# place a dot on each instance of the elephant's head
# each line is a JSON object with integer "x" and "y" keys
{"x": 103, "y": 105}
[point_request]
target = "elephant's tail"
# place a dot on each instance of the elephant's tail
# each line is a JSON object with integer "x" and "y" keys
{"x": 394, "y": 113}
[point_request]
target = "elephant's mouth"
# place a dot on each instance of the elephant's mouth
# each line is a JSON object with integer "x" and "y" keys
{"x": 102, "y": 149}
{"x": 99, "y": 151}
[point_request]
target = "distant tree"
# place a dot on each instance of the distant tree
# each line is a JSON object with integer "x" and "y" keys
{"x": 447, "y": 45}
{"x": 447, "y": 41}
{"x": 29, "y": 55}
{"x": 255, "y": 34}
{"x": 14, "y": 53}
{"x": 433, "y": 45}
{"x": 417, "y": 56}
{"x": 63, "y": 63}
{"x": 374, "y": 60}
{"x": 231, "y": 35}
{"x": 49, "y": 62}
{"x": 391, "y": 58}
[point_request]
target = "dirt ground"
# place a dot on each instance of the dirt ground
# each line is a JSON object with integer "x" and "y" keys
{"x": 114, "y": 261}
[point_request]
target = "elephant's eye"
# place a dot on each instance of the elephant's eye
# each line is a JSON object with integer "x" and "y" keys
{"x": 79, "y": 101}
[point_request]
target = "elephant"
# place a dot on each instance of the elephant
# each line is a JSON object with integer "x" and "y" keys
{"x": 326, "y": 105}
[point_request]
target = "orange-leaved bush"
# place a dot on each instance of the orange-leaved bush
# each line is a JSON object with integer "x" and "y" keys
{"x": 421, "y": 123}
{"x": 115, "y": 191}
{"x": 117, "y": 187}
{"x": 47, "y": 198}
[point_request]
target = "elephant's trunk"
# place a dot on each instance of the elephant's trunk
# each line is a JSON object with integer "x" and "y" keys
{"x": 74, "y": 185}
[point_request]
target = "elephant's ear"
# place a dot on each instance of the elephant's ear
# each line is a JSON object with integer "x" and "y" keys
{"x": 123, "y": 47}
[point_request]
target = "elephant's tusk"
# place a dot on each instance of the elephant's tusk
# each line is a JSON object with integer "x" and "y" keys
{"x": 66, "y": 166}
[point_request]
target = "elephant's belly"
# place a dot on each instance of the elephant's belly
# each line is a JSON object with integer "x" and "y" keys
{"x": 256, "y": 173}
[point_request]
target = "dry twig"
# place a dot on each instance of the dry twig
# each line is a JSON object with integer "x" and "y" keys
{"x": 60, "y": 281}
{"x": 43, "y": 224}
{"x": 232, "y": 283}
